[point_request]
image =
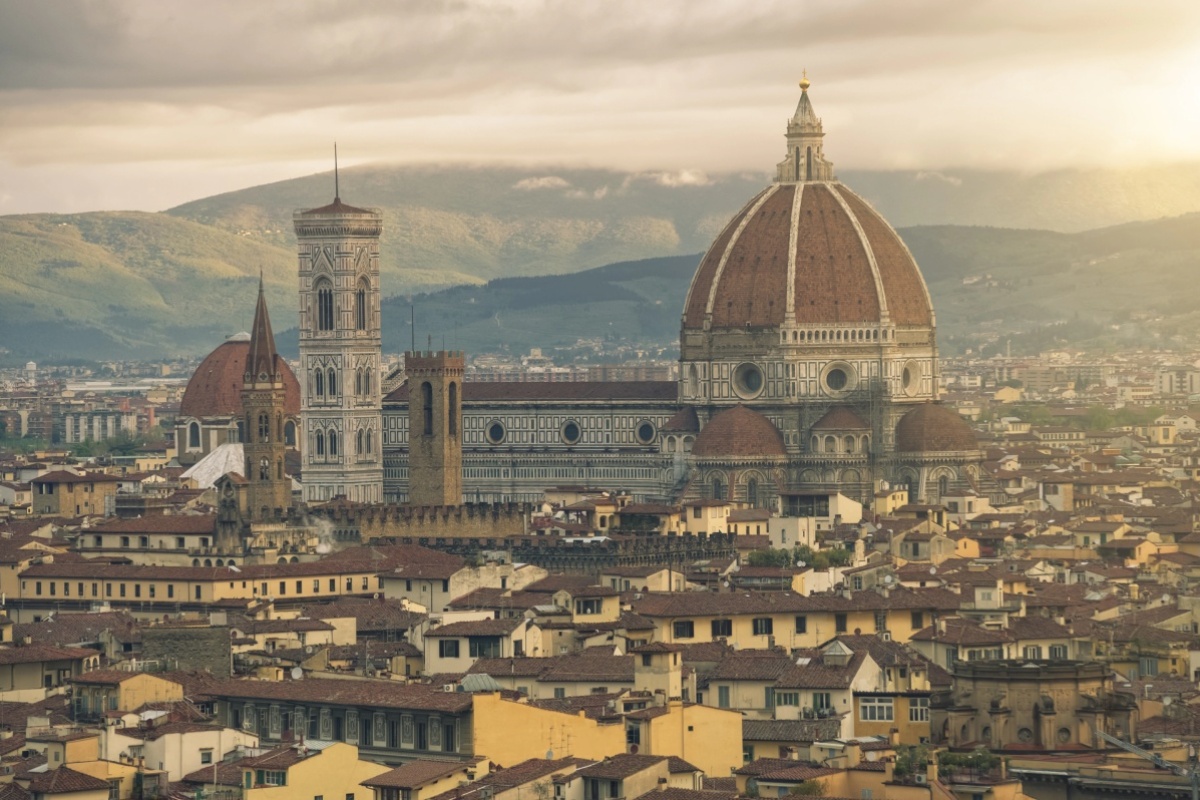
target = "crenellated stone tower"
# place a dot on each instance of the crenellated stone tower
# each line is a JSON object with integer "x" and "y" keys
{"x": 269, "y": 488}
{"x": 340, "y": 352}
{"x": 434, "y": 427}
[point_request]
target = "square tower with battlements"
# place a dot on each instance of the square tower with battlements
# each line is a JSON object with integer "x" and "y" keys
{"x": 435, "y": 427}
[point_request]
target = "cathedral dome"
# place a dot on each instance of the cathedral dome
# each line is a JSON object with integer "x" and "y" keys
{"x": 812, "y": 253}
{"x": 215, "y": 388}
{"x": 933, "y": 428}
{"x": 739, "y": 432}
{"x": 807, "y": 251}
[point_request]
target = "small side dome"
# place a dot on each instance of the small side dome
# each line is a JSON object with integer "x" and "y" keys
{"x": 739, "y": 432}
{"x": 933, "y": 428}
{"x": 840, "y": 418}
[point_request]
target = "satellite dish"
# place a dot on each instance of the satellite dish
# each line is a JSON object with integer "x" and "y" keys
{"x": 872, "y": 755}
{"x": 1166, "y": 598}
{"x": 933, "y": 570}
{"x": 888, "y": 580}
{"x": 297, "y": 673}
{"x": 801, "y": 563}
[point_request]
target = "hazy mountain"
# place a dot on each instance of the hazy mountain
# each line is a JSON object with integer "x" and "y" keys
{"x": 1030, "y": 286}
{"x": 112, "y": 284}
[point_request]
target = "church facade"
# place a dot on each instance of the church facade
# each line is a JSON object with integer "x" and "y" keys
{"x": 808, "y": 365}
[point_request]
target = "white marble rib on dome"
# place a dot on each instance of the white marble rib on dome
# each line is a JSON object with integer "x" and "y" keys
{"x": 228, "y": 457}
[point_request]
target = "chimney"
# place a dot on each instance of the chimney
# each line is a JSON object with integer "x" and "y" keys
{"x": 853, "y": 754}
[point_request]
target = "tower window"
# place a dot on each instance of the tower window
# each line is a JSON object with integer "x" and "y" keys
{"x": 333, "y": 443}
{"x": 194, "y": 434}
{"x": 360, "y": 309}
{"x": 289, "y": 433}
{"x": 264, "y": 428}
{"x": 358, "y": 442}
{"x": 319, "y": 443}
{"x": 324, "y": 306}
{"x": 452, "y": 411}
{"x": 332, "y": 383}
{"x": 427, "y": 407}
{"x": 319, "y": 382}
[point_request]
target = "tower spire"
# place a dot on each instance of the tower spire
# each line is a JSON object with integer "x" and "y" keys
{"x": 260, "y": 360}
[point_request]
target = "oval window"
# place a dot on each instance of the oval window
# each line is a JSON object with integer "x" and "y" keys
{"x": 748, "y": 380}
{"x": 571, "y": 433}
{"x": 495, "y": 433}
{"x": 645, "y": 433}
{"x": 836, "y": 379}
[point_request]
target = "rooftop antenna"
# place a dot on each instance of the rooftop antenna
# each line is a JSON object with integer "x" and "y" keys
{"x": 337, "y": 194}
{"x": 412, "y": 326}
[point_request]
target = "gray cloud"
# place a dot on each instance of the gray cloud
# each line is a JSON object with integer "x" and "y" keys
{"x": 675, "y": 88}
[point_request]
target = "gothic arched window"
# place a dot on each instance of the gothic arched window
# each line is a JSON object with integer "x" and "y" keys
{"x": 358, "y": 443}
{"x": 264, "y": 470}
{"x": 370, "y": 445}
{"x": 333, "y": 443}
{"x": 332, "y": 383}
{"x": 718, "y": 489}
{"x": 319, "y": 382}
{"x": 943, "y": 486}
{"x": 427, "y": 407}
{"x": 358, "y": 383}
{"x": 194, "y": 434}
{"x": 752, "y": 491}
{"x": 360, "y": 308}
{"x": 324, "y": 306}
{"x": 264, "y": 427}
{"x": 367, "y": 381}
{"x": 289, "y": 433}
{"x": 319, "y": 443}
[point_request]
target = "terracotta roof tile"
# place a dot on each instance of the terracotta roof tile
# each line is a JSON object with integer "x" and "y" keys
{"x": 739, "y": 432}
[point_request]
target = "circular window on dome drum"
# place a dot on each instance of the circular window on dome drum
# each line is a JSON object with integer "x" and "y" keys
{"x": 839, "y": 378}
{"x": 645, "y": 432}
{"x": 748, "y": 381}
{"x": 571, "y": 433}
{"x": 495, "y": 432}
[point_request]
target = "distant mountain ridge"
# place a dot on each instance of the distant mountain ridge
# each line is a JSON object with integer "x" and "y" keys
{"x": 131, "y": 284}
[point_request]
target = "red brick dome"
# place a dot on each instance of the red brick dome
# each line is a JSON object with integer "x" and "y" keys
{"x": 739, "y": 432}
{"x": 933, "y": 428}
{"x": 816, "y": 251}
{"x": 840, "y": 418}
{"x": 215, "y": 388}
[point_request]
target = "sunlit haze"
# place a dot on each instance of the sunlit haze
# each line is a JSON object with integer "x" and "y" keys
{"x": 139, "y": 105}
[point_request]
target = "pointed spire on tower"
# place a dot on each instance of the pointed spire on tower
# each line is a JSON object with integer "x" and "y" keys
{"x": 262, "y": 357}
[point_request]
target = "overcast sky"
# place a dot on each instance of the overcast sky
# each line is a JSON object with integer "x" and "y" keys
{"x": 144, "y": 104}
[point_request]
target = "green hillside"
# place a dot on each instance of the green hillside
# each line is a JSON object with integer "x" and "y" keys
{"x": 128, "y": 284}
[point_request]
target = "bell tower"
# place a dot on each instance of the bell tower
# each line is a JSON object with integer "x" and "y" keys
{"x": 269, "y": 489}
{"x": 435, "y": 427}
{"x": 340, "y": 352}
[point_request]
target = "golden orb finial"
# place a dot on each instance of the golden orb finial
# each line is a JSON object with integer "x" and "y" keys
{"x": 804, "y": 81}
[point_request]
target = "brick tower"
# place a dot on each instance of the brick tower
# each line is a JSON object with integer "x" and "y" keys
{"x": 269, "y": 490}
{"x": 340, "y": 352}
{"x": 434, "y": 427}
